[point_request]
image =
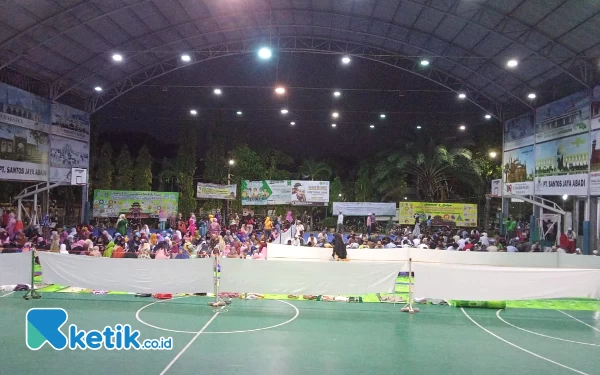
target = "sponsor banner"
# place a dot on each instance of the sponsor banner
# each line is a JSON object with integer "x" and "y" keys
{"x": 518, "y": 171}
{"x": 574, "y": 184}
{"x": 442, "y": 214}
{"x": 23, "y": 153}
{"x": 595, "y": 183}
{"x": 563, "y": 156}
{"x": 365, "y": 208}
{"x": 265, "y": 192}
{"x": 144, "y": 204}
{"x": 22, "y": 108}
{"x": 565, "y": 117}
{"x": 518, "y": 188}
{"x": 519, "y": 131}
{"x": 307, "y": 192}
{"x": 214, "y": 191}
{"x": 595, "y": 122}
{"x": 67, "y": 153}
{"x": 70, "y": 122}
{"x": 496, "y": 188}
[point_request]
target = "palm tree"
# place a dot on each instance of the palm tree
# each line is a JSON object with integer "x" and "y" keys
{"x": 315, "y": 169}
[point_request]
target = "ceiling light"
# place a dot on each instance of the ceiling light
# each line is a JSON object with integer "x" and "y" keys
{"x": 418, "y": 126}
{"x": 333, "y": 125}
{"x": 117, "y": 57}
{"x": 488, "y": 116}
{"x": 337, "y": 94}
{"x": 335, "y": 115}
{"x": 424, "y": 62}
{"x": 512, "y": 63}
{"x": 265, "y": 53}
{"x": 239, "y": 113}
{"x": 372, "y": 126}
{"x": 382, "y": 115}
{"x": 280, "y": 90}
{"x": 346, "y": 60}
{"x": 284, "y": 111}
{"x": 193, "y": 112}
{"x": 565, "y": 197}
{"x": 493, "y": 154}
{"x": 531, "y": 95}
{"x": 462, "y": 95}
{"x": 292, "y": 123}
{"x": 217, "y": 91}
{"x": 98, "y": 89}
{"x": 462, "y": 127}
{"x": 186, "y": 58}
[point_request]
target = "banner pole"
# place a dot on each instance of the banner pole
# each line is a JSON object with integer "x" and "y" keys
{"x": 32, "y": 293}
{"x": 409, "y": 306}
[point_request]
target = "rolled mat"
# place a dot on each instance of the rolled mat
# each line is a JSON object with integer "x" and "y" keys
{"x": 480, "y": 304}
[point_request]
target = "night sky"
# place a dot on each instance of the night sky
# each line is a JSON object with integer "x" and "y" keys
{"x": 368, "y": 88}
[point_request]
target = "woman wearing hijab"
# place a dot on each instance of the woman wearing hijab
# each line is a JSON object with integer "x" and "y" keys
{"x": 145, "y": 252}
{"x": 182, "y": 254}
{"x": 339, "y": 247}
{"x": 122, "y": 224}
{"x": 192, "y": 225}
{"x": 55, "y": 246}
{"x": 95, "y": 252}
{"x": 214, "y": 227}
{"x": 108, "y": 250}
{"x": 161, "y": 252}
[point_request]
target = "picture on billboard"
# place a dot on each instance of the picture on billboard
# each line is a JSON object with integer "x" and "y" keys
{"x": 22, "y": 108}
{"x": 309, "y": 193}
{"x": 23, "y": 153}
{"x": 518, "y": 171}
{"x": 144, "y": 204}
{"x": 442, "y": 214}
{"x": 564, "y": 117}
{"x": 595, "y": 163}
{"x": 67, "y": 153}
{"x": 519, "y": 131}
{"x": 561, "y": 166}
{"x": 214, "y": 191}
{"x": 595, "y": 115}
{"x": 265, "y": 192}
{"x": 70, "y": 122}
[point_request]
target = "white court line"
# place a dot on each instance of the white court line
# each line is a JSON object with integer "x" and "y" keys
{"x": 137, "y": 316}
{"x": 188, "y": 345}
{"x": 540, "y": 334}
{"x": 580, "y": 321}
{"x": 7, "y": 294}
{"x": 520, "y": 348}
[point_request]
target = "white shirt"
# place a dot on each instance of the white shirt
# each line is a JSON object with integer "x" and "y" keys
{"x": 300, "y": 228}
{"x": 456, "y": 238}
{"x": 485, "y": 240}
{"x": 511, "y": 249}
{"x": 450, "y": 248}
{"x": 461, "y": 243}
{"x": 340, "y": 219}
{"x": 492, "y": 249}
{"x": 313, "y": 240}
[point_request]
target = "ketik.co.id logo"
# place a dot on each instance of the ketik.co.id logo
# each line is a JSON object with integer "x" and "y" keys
{"x": 43, "y": 326}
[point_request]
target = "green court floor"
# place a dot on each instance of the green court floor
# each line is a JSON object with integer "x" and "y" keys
{"x": 303, "y": 337}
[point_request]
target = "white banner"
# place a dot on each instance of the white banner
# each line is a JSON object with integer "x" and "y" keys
{"x": 365, "y": 208}
{"x": 518, "y": 188}
{"x": 265, "y": 192}
{"x": 484, "y": 283}
{"x": 306, "y": 277}
{"x": 128, "y": 275}
{"x": 574, "y": 184}
{"x": 307, "y": 193}
{"x": 19, "y": 170}
{"x": 15, "y": 268}
{"x": 214, "y": 191}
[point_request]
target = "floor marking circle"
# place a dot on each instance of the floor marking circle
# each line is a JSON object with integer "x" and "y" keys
{"x": 520, "y": 348}
{"x": 137, "y": 316}
{"x": 580, "y": 321}
{"x": 542, "y": 335}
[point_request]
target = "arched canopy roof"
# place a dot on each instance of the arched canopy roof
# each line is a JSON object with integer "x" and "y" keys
{"x": 69, "y": 43}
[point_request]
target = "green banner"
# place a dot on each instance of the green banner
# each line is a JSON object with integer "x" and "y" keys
{"x": 112, "y": 203}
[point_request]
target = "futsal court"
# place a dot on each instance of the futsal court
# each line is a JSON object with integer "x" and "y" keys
{"x": 301, "y": 337}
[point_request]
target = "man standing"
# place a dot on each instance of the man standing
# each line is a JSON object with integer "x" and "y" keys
{"x": 340, "y": 223}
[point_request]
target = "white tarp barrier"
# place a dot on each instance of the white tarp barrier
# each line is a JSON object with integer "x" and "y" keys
{"x": 306, "y": 277}
{"x": 484, "y": 283}
{"x": 15, "y": 268}
{"x": 128, "y": 275}
{"x": 365, "y": 208}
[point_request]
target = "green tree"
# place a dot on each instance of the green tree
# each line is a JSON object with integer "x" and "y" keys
{"x": 315, "y": 170}
{"x": 124, "y": 170}
{"x": 214, "y": 168}
{"x": 185, "y": 169}
{"x": 248, "y": 164}
{"x": 273, "y": 160}
{"x": 142, "y": 178}
{"x": 105, "y": 169}
{"x": 335, "y": 191}
{"x": 363, "y": 182}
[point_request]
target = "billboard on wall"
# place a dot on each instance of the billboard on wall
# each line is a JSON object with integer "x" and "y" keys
{"x": 309, "y": 193}
{"x": 518, "y": 171}
{"x": 564, "y": 117}
{"x": 519, "y": 131}
{"x": 595, "y": 108}
{"x": 561, "y": 166}
{"x": 33, "y": 146}
{"x": 442, "y": 214}
{"x": 112, "y": 203}
{"x": 265, "y": 192}
{"x": 214, "y": 191}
